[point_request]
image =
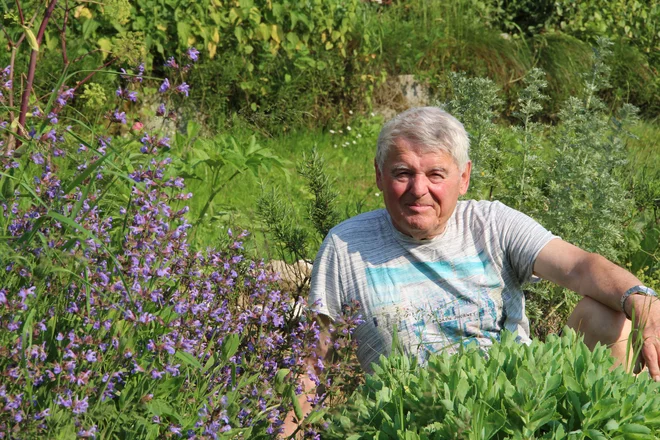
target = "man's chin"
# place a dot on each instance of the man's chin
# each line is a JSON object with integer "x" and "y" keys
{"x": 419, "y": 230}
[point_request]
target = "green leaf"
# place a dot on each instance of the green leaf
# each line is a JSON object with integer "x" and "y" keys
{"x": 159, "y": 407}
{"x": 595, "y": 434}
{"x": 315, "y": 416}
{"x": 230, "y": 346}
{"x": 85, "y": 174}
{"x": 32, "y": 40}
{"x": 634, "y": 428}
{"x": 279, "y": 379}
{"x": 188, "y": 359}
{"x": 611, "y": 425}
{"x": 209, "y": 363}
{"x": 297, "y": 409}
{"x": 183, "y": 30}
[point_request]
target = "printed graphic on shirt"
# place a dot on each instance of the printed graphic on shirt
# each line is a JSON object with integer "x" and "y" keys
{"x": 437, "y": 305}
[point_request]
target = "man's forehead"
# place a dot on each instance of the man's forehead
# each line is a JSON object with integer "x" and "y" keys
{"x": 403, "y": 153}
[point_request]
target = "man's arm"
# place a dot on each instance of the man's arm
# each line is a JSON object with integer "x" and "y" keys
{"x": 596, "y": 277}
{"x": 309, "y": 387}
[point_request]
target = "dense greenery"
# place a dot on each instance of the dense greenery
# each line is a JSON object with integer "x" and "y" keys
{"x": 554, "y": 390}
{"x": 129, "y": 308}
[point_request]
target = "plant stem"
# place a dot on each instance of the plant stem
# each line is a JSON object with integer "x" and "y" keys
{"x": 31, "y": 69}
{"x": 65, "y": 58}
{"x": 20, "y": 12}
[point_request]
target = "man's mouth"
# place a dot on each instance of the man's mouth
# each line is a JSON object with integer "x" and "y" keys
{"x": 418, "y": 207}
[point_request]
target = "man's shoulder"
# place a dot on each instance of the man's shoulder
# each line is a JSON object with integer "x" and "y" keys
{"x": 474, "y": 209}
{"x": 363, "y": 225}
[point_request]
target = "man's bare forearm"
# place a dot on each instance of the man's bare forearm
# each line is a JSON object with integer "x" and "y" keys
{"x": 585, "y": 273}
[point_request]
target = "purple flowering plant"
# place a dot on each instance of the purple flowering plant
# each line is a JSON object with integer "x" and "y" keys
{"x": 111, "y": 323}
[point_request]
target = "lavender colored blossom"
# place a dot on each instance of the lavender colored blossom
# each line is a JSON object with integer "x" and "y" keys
{"x": 171, "y": 63}
{"x": 90, "y": 356}
{"x": 184, "y": 89}
{"x": 118, "y": 116}
{"x": 146, "y": 280}
{"x": 193, "y": 54}
{"x": 64, "y": 97}
{"x": 164, "y": 87}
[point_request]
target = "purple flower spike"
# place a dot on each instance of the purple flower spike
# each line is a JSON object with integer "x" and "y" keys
{"x": 161, "y": 110}
{"x": 64, "y": 97}
{"x": 80, "y": 406}
{"x": 183, "y": 88}
{"x": 164, "y": 86}
{"x": 171, "y": 62}
{"x": 118, "y": 116}
{"x": 193, "y": 54}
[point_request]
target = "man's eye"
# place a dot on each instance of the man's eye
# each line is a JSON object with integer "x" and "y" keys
{"x": 437, "y": 177}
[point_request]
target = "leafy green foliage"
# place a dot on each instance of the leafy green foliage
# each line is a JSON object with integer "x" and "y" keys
{"x": 322, "y": 211}
{"x": 293, "y": 239}
{"x": 215, "y": 163}
{"x": 551, "y": 390}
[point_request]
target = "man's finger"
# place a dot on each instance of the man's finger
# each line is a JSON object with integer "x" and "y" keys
{"x": 651, "y": 351}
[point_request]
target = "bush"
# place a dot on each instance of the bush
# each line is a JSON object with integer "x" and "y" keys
{"x": 551, "y": 390}
{"x": 111, "y": 323}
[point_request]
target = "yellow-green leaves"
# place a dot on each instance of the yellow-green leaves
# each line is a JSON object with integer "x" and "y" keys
{"x": 32, "y": 40}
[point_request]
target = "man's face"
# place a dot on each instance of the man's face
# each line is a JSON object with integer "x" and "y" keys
{"x": 421, "y": 188}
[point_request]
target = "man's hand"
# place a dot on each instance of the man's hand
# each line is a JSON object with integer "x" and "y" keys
{"x": 645, "y": 311}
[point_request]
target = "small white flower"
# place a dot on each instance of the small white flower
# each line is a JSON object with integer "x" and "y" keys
{"x": 341, "y": 132}
{"x": 348, "y": 128}
{"x": 335, "y": 145}
{"x": 350, "y": 112}
{"x": 332, "y": 131}
{"x": 359, "y": 136}
{"x": 377, "y": 194}
{"x": 354, "y": 143}
{"x": 373, "y": 114}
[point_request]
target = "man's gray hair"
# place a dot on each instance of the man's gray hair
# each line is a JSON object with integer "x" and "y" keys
{"x": 428, "y": 127}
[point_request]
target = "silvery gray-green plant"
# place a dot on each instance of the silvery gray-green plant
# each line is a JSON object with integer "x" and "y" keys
{"x": 473, "y": 103}
{"x": 588, "y": 203}
{"x": 530, "y": 140}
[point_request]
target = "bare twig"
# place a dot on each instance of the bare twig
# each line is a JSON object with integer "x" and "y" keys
{"x": 88, "y": 77}
{"x": 65, "y": 58}
{"x": 87, "y": 54}
{"x": 31, "y": 69}
{"x": 20, "y": 12}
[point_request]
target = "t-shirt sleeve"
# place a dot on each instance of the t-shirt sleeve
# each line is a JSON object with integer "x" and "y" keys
{"x": 326, "y": 288}
{"x": 521, "y": 238}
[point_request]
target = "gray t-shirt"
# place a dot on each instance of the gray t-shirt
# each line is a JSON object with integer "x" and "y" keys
{"x": 461, "y": 286}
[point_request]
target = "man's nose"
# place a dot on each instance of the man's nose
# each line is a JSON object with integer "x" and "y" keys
{"x": 419, "y": 185}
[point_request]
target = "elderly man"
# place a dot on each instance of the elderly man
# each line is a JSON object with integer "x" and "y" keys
{"x": 443, "y": 272}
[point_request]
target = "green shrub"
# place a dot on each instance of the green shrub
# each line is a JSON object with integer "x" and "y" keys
{"x": 554, "y": 390}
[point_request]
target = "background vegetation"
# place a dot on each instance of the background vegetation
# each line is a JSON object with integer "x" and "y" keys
{"x": 129, "y": 125}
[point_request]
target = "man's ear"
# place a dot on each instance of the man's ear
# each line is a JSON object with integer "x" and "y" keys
{"x": 379, "y": 176}
{"x": 465, "y": 178}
